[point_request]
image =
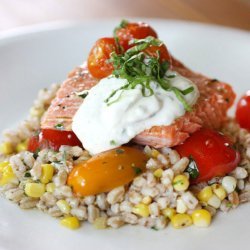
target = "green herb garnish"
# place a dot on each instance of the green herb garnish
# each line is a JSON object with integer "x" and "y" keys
{"x": 59, "y": 126}
{"x": 112, "y": 142}
{"x": 27, "y": 175}
{"x": 137, "y": 170}
{"x": 119, "y": 151}
{"x": 122, "y": 25}
{"x": 141, "y": 69}
{"x": 192, "y": 168}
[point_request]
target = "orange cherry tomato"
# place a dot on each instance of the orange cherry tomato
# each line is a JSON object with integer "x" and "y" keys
{"x": 243, "y": 111}
{"x": 107, "y": 170}
{"x": 99, "y": 55}
{"x": 133, "y": 30}
{"x": 162, "y": 50}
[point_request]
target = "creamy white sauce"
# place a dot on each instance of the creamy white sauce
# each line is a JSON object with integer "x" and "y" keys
{"x": 101, "y": 127}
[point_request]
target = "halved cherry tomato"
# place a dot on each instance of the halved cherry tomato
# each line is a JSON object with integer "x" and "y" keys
{"x": 133, "y": 30}
{"x": 162, "y": 50}
{"x": 212, "y": 152}
{"x": 54, "y": 139}
{"x": 99, "y": 55}
{"x": 107, "y": 170}
{"x": 243, "y": 111}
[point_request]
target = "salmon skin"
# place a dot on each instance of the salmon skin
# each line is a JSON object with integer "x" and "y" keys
{"x": 210, "y": 110}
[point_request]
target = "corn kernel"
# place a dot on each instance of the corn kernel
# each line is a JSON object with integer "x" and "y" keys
{"x": 70, "y": 222}
{"x": 47, "y": 173}
{"x": 34, "y": 190}
{"x": 181, "y": 207}
{"x": 214, "y": 201}
{"x": 141, "y": 209}
{"x": 181, "y": 183}
{"x": 158, "y": 173}
{"x": 50, "y": 187}
{"x": 3, "y": 165}
{"x": 201, "y": 218}
{"x": 100, "y": 223}
{"x": 22, "y": 146}
{"x": 229, "y": 183}
{"x": 63, "y": 206}
{"x": 154, "y": 153}
{"x": 6, "y": 148}
{"x": 147, "y": 200}
{"x": 6, "y": 173}
{"x": 219, "y": 191}
{"x": 205, "y": 194}
{"x": 179, "y": 221}
{"x": 169, "y": 212}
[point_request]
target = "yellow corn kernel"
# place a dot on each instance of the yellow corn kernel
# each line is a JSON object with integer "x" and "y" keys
{"x": 34, "y": 190}
{"x": 158, "y": 173}
{"x": 70, "y": 222}
{"x": 146, "y": 200}
{"x": 219, "y": 191}
{"x": 6, "y": 148}
{"x": 100, "y": 223}
{"x": 179, "y": 221}
{"x": 22, "y": 146}
{"x": 205, "y": 194}
{"x": 47, "y": 173}
{"x": 169, "y": 212}
{"x": 201, "y": 218}
{"x": 154, "y": 153}
{"x": 141, "y": 209}
{"x": 63, "y": 206}
{"x": 36, "y": 112}
{"x": 180, "y": 183}
{"x": 50, "y": 187}
{"x": 6, "y": 173}
{"x": 3, "y": 165}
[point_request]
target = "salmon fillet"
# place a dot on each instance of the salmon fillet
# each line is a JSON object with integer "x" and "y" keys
{"x": 210, "y": 110}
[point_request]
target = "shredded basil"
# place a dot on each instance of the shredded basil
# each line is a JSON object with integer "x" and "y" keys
{"x": 192, "y": 168}
{"x": 59, "y": 126}
{"x": 139, "y": 68}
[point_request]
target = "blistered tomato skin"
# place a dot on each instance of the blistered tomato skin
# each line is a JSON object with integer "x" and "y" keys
{"x": 212, "y": 152}
{"x": 162, "y": 50}
{"x": 107, "y": 171}
{"x": 99, "y": 55}
{"x": 243, "y": 111}
{"x": 133, "y": 30}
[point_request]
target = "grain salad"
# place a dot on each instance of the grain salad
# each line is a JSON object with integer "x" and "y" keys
{"x": 152, "y": 200}
{"x": 131, "y": 137}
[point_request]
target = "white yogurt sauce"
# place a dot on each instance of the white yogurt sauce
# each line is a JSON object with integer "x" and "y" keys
{"x": 101, "y": 127}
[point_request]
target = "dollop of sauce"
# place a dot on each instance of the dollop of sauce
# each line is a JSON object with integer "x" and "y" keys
{"x": 101, "y": 126}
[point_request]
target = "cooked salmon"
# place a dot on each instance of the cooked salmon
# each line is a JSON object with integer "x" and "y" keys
{"x": 210, "y": 110}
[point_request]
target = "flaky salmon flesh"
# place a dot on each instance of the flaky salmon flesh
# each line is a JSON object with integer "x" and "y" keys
{"x": 210, "y": 110}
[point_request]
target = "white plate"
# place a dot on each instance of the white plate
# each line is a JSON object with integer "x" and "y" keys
{"x": 32, "y": 58}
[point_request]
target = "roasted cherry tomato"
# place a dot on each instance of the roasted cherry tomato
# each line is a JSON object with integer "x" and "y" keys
{"x": 129, "y": 31}
{"x": 243, "y": 111}
{"x": 54, "y": 139}
{"x": 107, "y": 170}
{"x": 99, "y": 55}
{"x": 213, "y": 153}
{"x": 162, "y": 50}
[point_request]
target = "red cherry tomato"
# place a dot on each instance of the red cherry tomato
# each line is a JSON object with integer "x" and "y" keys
{"x": 54, "y": 139}
{"x": 243, "y": 111}
{"x": 212, "y": 152}
{"x": 162, "y": 50}
{"x": 133, "y": 30}
{"x": 98, "y": 64}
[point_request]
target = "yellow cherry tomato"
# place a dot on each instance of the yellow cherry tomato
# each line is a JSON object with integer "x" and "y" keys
{"x": 107, "y": 170}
